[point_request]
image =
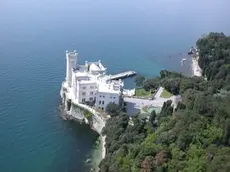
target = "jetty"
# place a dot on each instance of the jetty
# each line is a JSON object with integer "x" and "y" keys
{"x": 123, "y": 75}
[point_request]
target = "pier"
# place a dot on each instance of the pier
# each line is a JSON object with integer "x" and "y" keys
{"x": 123, "y": 75}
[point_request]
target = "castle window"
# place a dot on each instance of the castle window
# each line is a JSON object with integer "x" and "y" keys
{"x": 103, "y": 96}
{"x": 83, "y": 88}
{"x": 91, "y": 93}
{"x": 99, "y": 102}
{"x": 83, "y": 100}
{"x": 83, "y": 93}
{"x": 103, "y": 102}
{"x": 114, "y": 97}
{"x": 91, "y": 87}
{"x": 91, "y": 99}
{"x": 102, "y": 108}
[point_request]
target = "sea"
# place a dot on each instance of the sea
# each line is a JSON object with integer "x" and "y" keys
{"x": 145, "y": 36}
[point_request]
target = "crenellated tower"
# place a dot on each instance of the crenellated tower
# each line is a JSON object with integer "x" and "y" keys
{"x": 71, "y": 63}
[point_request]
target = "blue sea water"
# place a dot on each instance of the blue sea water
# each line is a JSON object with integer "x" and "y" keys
{"x": 145, "y": 36}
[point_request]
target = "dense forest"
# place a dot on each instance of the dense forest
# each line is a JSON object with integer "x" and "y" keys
{"x": 194, "y": 137}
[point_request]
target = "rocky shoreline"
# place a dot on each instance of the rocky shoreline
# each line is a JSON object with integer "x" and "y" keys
{"x": 67, "y": 116}
{"x": 63, "y": 113}
{"x": 195, "y": 66}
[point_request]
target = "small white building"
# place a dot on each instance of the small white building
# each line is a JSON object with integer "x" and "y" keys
{"x": 89, "y": 84}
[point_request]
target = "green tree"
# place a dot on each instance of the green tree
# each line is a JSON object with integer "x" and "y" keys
{"x": 112, "y": 109}
{"x": 139, "y": 80}
{"x": 152, "y": 117}
{"x": 193, "y": 138}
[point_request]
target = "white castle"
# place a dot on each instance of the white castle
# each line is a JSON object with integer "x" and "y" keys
{"x": 89, "y": 84}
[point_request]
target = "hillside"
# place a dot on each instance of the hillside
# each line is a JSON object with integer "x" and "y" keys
{"x": 193, "y": 138}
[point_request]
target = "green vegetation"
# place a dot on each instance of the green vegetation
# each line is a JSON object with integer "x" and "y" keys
{"x": 85, "y": 112}
{"x": 112, "y": 109}
{"x": 215, "y": 53}
{"x": 99, "y": 110}
{"x": 165, "y": 94}
{"x": 140, "y": 92}
{"x": 193, "y": 138}
{"x": 139, "y": 80}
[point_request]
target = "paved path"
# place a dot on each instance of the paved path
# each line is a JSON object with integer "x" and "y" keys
{"x": 158, "y": 94}
{"x": 139, "y": 103}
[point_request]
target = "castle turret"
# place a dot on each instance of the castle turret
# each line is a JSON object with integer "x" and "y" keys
{"x": 71, "y": 63}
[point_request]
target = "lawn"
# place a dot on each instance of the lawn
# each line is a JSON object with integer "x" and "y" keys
{"x": 141, "y": 92}
{"x": 165, "y": 94}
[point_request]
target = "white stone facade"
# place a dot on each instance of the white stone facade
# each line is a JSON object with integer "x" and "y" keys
{"x": 89, "y": 83}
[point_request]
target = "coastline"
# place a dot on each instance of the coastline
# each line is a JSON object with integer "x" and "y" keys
{"x": 72, "y": 110}
{"x": 195, "y": 66}
{"x": 100, "y": 151}
{"x": 96, "y": 123}
{"x": 99, "y": 154}
{"x": 97, "y": 158}
{"x": 103, "y": 150}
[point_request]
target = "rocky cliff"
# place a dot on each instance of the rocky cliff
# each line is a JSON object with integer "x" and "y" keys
{"x": 80, "y": 112}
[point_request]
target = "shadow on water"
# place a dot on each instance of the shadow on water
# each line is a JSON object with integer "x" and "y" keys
{"x": 77, "y": 148}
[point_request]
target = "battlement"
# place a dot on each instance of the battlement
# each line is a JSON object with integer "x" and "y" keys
{"x": 70, "y": 54}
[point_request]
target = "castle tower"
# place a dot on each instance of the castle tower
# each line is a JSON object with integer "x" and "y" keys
{"x": 71, "y": 63}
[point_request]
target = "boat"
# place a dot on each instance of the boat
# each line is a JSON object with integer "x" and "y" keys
{"x": 183, "y": 60}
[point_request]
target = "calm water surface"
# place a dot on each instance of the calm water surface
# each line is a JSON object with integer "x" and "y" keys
{"x": 125, "y": 35}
